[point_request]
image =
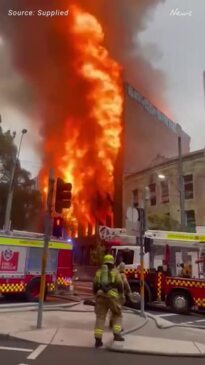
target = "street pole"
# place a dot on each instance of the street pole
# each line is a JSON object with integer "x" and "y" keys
{"x": 7, "y": 221}
{"x": 142, "y": 313}
{"x": 181, "y": 186}
{"x": 146, "y": 205}
{"x": 47, "y": 234}
{"x": 141, "y": 241}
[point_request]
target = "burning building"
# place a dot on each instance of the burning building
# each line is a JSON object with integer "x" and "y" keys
{"x": 149, "y": 137}
{"x": 75, "y": 66}
{"x": 149, "y": 133}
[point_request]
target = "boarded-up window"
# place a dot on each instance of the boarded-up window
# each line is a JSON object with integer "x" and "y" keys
{"x": 164, "y": 192}
{"x": 190, "y": 219}
{"x": 153, "y": 195}
{"x": 188, "y": 186}
{"x": 135, "y": 197}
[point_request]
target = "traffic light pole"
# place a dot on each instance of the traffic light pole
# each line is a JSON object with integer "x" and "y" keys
{"x": 142, "y": 292}
{"x": 47, "y": 234}
{"x": 181, "y": 186}
{"x": 141, "y": 242}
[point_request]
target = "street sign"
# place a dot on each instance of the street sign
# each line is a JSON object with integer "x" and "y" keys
{"x": 132, "y": 215}
{"x": 107, "y": 233}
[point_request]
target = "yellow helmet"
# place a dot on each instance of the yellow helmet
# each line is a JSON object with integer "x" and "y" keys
{"x": 108, "y": 259}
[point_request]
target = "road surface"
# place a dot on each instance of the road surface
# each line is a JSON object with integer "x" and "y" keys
{"x": 193, "y": 319}
{"x": 16, "y": 352}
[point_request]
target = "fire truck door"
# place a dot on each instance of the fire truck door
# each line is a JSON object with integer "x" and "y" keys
{"x": 34, "y": 261}
{"x": 12, "y": 260}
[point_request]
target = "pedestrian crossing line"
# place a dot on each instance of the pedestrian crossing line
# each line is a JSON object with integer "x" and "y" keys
{"x": 168, "y": 315}
{"x": 200, "y": 320}
{"x": 15, "y": 349}
{"x": 36, "y": 352}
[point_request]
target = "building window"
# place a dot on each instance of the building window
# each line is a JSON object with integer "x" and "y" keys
{"x": 190, "y": 219}
{"x": 188, "y": 186}
{"x": 135, "y": 197}
{"x": 153, "y": 195}
{"x": 164, "y": 192}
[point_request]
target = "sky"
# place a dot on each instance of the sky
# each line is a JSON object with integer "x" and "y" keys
{"x": 174, "y": 45}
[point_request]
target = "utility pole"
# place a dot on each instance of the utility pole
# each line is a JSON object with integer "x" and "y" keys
{"x": 141, "y": 242}
{"x": 204, "y": 85}
{"x": 47, "y": 234}
{"x": 181, "y": 186}
{"x": 146, "y": 206}
{"x": 7, "y": 221}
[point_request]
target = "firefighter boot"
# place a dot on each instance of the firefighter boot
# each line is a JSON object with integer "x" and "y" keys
{"x": 98, "y": 343}
{"x": 118, "y": 337}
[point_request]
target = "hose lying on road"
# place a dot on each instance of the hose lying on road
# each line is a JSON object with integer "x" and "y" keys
{"x": 171, "y": 325}
{"x": 90, "y": 302}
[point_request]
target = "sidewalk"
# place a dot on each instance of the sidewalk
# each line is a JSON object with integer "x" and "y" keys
{"x": 74, "y": 327}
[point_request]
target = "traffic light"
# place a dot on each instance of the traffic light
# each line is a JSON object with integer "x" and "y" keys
{"x": 147, "y": 244}
{"x": 63, "y": 195}
{"x": 141, "y": 219}
{"x": 57, "y": 227}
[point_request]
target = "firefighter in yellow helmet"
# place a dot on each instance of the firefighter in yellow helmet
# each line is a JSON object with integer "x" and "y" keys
{"x": 127, "y": 292}
{"x": 108, "y": 288}
{"x": 186, "y": 270}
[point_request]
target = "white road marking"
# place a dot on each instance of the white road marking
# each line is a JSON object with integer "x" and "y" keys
{"x": 200, "y": 320}
{"x": 15, "y": 349}
{"x": 37, "y": 352}
{"x": 167, "y": 315}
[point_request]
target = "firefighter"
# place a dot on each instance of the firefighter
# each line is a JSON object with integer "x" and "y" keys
{"x": 127, "y": 292}
{"x": 186, "y": 270}
{"x": 108, "y": 288}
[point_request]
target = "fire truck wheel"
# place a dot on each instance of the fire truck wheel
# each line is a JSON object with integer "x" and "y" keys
{"x": 180, "y": 302}
{"x": 136, "y": 289}
{"x": 33, "y": 290}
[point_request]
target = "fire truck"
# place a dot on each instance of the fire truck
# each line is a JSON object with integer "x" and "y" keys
{"x": 167, "y": 255}
{"x": 20, "y": 265}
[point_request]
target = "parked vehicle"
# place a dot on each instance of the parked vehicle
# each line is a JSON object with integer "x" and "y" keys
{"x": 20, "y": 264}
{"x": 166, "y": 280}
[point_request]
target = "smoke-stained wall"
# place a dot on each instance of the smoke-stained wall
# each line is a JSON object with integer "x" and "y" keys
{"x": 148, "y": 137}
{"x": 148, "y": 133}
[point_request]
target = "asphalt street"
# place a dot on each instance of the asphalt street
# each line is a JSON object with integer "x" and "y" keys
{"x": 194, "y": 318}
{"x": 16, "y": 352}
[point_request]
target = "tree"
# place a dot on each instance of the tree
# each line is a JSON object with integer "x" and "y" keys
{"x": 162, "y": 222}
{"x": 97, "y": 254}
{"x": 27, "y": 203}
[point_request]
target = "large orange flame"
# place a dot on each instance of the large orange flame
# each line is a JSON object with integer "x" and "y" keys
{"x": 92, "y": 143}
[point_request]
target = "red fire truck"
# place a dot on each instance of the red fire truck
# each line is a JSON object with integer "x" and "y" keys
{"x": 165, "y": 281}
{"x": 20, "y": 264}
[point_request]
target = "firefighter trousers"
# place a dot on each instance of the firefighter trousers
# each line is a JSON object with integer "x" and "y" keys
{"x": 103, "y": 305}
{"x": 122, "y": 301}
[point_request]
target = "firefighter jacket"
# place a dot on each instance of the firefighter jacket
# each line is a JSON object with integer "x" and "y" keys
{"x": 111, "y": 286}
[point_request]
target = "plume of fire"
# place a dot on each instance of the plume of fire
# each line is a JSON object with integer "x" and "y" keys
{"x": 92, "y": 140}
{"x": 92, "y": 176}
{"x": 77, "y": 88}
